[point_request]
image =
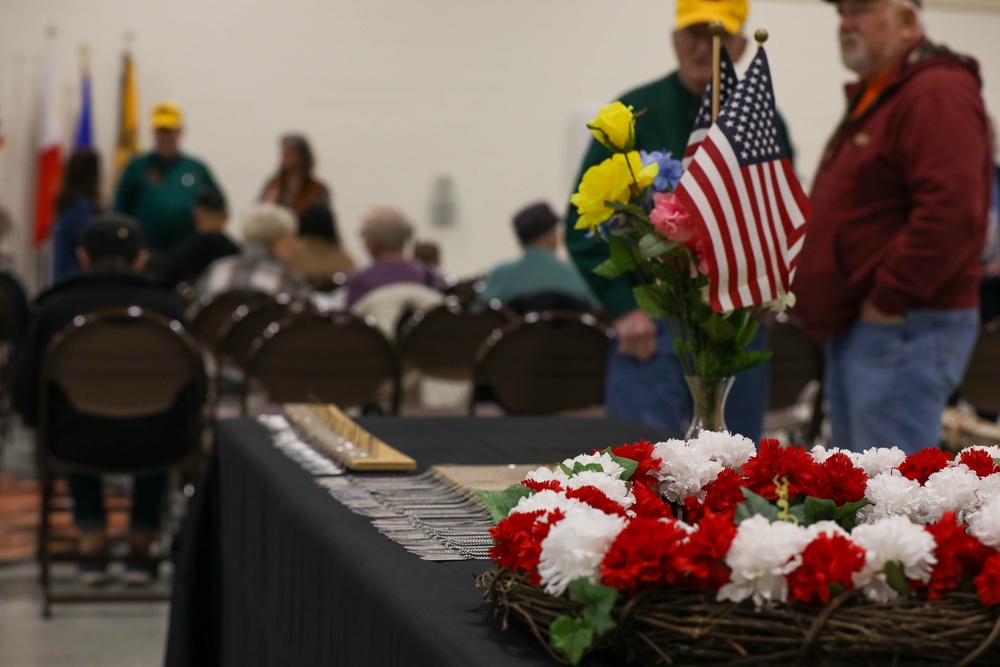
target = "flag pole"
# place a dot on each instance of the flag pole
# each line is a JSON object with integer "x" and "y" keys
{"x": 716, "y": 29}
{"x": 761, "y": 37}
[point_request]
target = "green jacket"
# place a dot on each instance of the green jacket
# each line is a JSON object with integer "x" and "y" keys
{"x": 537, "y": 270}
{"x": 160, "y": 195}
{"x": 670, "y": 114}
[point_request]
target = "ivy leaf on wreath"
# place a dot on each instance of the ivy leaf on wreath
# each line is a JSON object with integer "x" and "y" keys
{"x": 500, "y": 503}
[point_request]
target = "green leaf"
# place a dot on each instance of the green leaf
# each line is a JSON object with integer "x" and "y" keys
{"x": 754, "y": 505}
{"x": 896, "y": 578}
{"x": 708, "y": 365}
{"x": 629, "y": 465}
{"x": 747, "y": 332}
{"x": 598, "y": 600}
{"x": 718, "y": 328}
{"x": 649, "y": 300}
{"x": 654, "y": 245}
{"x": 500, "y": 503}
{"x": 818, "y": 509}
{"x": 621, "y": 253}
{"x": 609, "y": 269}
{"x": 628, "y": 209}
{"x": 572, "y": 636}
{"x": 742, "y": 361}
{"x": 847, "y": 514}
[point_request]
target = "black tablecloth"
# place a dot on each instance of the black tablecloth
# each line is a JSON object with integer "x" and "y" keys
{"x": 274, "y": 571}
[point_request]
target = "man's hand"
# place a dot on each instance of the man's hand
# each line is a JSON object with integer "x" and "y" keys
{"x": 872, "y": 315}
{"x": 636, "y": 335}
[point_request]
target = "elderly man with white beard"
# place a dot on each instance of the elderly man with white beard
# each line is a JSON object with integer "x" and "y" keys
{"x": 889, "y": 270}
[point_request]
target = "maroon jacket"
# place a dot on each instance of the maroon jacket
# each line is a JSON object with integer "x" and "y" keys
{"x": 899, "y": 205}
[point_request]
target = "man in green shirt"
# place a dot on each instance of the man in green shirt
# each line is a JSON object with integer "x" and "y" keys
{"x": 645, "y": 380}
{"x": 538, "y": 276}
{"x": 159, "y": 188}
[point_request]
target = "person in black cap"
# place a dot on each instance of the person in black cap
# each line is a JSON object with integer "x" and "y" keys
{"x": 192, "y": 256}
{"x": 538, "y": 280}
{"x": 112, "y": 256}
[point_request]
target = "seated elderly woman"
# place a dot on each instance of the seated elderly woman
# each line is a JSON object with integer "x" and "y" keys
{"x": 270, "y": 244}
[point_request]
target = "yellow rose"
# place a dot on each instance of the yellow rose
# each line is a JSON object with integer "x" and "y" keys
{"x": 614, "y": 126}
{"x": 612, "y": 180}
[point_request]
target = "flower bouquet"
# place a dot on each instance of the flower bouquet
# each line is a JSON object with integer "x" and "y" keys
{"x": 710, "y": 551}
{"x": 628, "y": 202}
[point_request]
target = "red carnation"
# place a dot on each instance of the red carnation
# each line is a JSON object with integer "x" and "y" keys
{"x": 722, "y": 496}
{"x": 794, "y": 465}
{"x": 538, "y": 485}
{"x": 642, "y": 453}
{"x": 597, "y": 499}
{"x": 843, "y": 481}
{"x": 641, "y": 557}
{"x": 958, "y": 554}
{"x": 518, "y": 541}
{"x": 987, "y": 582}
{"x": 701, "y": 557}
{"x": 921, "y": 465}
{"x": 828, "y": 561}
{"x": 649, "y": 503}
{"x": 979, "y": 461}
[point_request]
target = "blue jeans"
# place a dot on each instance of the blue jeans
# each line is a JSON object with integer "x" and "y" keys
{"x": 655, "y": 392}
{"x": 88, "y": 502}
{"x": 888, "y": 384}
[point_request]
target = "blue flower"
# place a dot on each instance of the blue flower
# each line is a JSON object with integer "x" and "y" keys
{"x": 670, "y": 169}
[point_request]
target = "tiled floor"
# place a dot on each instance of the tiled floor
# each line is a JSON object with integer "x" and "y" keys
{"x": 90, "y": 635}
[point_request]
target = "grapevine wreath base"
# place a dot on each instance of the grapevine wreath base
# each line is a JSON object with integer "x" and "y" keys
{"x": 689, "y": 627}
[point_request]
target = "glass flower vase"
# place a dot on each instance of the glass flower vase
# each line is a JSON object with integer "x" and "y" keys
{"x": 709, "y": 397}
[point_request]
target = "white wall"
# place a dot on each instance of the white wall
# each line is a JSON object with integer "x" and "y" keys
{"x": 393, "y": 93}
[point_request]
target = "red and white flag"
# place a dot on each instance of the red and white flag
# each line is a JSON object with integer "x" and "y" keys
{"x": 742, "y": 191}
{"x": 50, "y": 158}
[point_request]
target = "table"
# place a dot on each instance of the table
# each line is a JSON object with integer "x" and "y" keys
{"x": 274, "y": 571}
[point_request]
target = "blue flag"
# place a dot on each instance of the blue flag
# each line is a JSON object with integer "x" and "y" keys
{"x": 84, "y": 137}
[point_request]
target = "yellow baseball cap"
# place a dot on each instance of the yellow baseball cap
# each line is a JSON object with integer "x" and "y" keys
{"x": 732, "y": 13}
{"x": 167, "y": 116}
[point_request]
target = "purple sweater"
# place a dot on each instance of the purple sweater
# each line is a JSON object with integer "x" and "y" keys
{"x": 388, "y": 272}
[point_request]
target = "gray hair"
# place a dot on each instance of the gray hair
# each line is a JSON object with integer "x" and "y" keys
{"x": 262, "y": 222}
{"x": 388, "y": 228}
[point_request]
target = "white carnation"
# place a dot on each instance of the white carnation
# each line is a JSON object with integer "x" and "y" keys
{"x": 729, "y": 449}
{"x": 761, "y": 554}
{"x": 547, "y": 501}
{"x": 545, "y": 474}
{"x": 575, "y": 547}
{"x": 951, "y": 489}
{"x": 989, "y": 488}
{"x": 992, "y": 450}
{"x": 985, "y": 525}
{"x": 894, "y": 538}
{"x": 820, "y": 454}
{"x": 613, "y": 487}
{"x": 608, "y": 464}
{"x": 879, "y": 459}
{"x": 684, "y": 471}
{"x": 892, "y": 494}
{"x": 827, "y": 528}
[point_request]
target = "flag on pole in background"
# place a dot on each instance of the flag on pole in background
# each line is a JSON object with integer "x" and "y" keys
{"x": 742, "y": 190}
{"x": 128, "y": 115}
{"x": 49, "y": 158}
{"x": 727, "y": 81}
{"x": 84, "y": 135}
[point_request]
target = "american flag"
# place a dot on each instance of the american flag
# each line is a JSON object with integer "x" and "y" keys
{"x": 749, "y": 206}
{"x": 727, "y": 81}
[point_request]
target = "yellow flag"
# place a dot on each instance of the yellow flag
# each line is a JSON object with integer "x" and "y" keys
{"x": 128, "y": 116}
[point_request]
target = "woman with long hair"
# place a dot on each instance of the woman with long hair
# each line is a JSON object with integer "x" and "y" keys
{"x": 78, "y": 201}
{"x": 294, "y": 185}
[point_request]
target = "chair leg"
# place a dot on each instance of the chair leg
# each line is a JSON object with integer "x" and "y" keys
{"x": 48, "y": 484}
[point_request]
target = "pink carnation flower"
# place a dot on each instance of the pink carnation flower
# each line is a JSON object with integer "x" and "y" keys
{"x": 671, "y": 219}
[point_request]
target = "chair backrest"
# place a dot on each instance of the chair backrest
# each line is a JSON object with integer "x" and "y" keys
{"x": 546, "y": 363}
{"x": 981, "y": 386}
{"x": 442, "y": 342}
{"x": 215, "y": 310}
{"x": 466, "y": 290}
{"x": 329, "y": 357}
{"x": 549, "y": 300}
{"x": 249, "y": 321}
{"x": 120, "y": 364}
{"x": 388, "y": 303}
{"x": 796, "y": 360}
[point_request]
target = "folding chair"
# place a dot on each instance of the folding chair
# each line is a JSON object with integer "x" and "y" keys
{"x": 131, "y": 373}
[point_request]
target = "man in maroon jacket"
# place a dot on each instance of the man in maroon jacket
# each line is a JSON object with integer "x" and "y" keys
{"x": 889, "y": 269}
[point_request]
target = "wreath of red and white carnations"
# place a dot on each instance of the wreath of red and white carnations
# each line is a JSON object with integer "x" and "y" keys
{"x": 774, "y": 525}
